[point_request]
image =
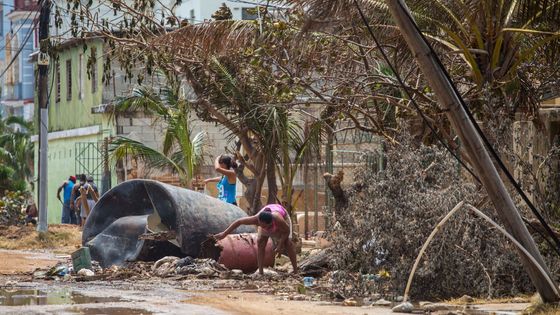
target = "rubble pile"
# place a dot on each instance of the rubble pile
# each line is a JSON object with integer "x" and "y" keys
{"x": 202, "y": 268}
{"x": 388, "y": 216}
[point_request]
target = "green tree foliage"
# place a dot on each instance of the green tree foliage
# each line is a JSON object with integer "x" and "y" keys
{"x": 16, "y": 154}
{"x": 182, "y": 151}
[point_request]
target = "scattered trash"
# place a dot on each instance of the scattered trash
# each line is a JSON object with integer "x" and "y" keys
{"x": 350, "y": 302}
{"x": 85, "y": 273}
{"x": 81, "y": 259}
{"x": 405, "y": 307}
{"x": 58, "y": 270}
{"x": 308, "y": 282}
{"x": 435, "y": 307}
{"x": 381, "y": 302}
{"x": 39, "y": 274}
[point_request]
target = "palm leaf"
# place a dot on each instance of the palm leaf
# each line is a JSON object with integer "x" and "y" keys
{"x": 122, "y": 147}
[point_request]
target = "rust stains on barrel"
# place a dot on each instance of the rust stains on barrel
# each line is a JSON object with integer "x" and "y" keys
{"x": 238, "y": 251}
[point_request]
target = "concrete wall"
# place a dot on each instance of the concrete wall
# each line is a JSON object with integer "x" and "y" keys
{"x": 76, "y": 112}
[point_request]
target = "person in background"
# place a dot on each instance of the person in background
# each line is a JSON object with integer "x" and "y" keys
{"x": 31, "y": 213}
{"x": 89, "y": 194}
{"x": 75, "y": 196}
{"x": 68, "y": 214}
{"x": 225, "y": 165}
{"x": 273, "y": 221}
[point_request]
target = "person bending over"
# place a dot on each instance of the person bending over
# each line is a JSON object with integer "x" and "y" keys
{"x": 273, "y": 222}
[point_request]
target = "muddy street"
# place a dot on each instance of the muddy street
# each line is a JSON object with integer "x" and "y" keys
{"x": 21, "y": 294}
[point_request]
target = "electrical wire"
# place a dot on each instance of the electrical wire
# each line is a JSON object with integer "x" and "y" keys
{"x": 26, "y": 39}
{"x": 483, "y": 136}
{"x": 557, "y": 249}
{"x": 416, "y": 106}
{"x": 20, "y": 26}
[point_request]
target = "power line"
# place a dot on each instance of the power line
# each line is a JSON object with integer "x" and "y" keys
{"x": 20, "y": 26}
{"x": 552, "y": 235}
{"x": 413, "y": 101}
{"x": 487, "y": 143}
{"x": 401, "y": 82}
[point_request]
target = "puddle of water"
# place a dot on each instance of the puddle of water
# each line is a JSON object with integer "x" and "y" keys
{"x": 106, "y": 311}
{"x": 42, "y": 297}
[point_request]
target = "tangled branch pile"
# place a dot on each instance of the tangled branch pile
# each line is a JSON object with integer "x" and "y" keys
{"x": 391, "y": 213}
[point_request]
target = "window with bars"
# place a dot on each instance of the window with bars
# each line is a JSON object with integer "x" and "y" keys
{"x": 69, "y": 79}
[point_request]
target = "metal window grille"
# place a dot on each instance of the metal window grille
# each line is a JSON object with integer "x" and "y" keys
{"x": 89, "y": 160}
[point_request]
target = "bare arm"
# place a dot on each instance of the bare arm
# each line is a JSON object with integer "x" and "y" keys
{"x": 243, "y": 221}
{"x": 229, "y": 173}
{"x": 73, "y": 196}
{"x": 94, "y": 194}
{"x": 59, "y": 190}
{"x": 83, "y": 198}
{"x": 212, "y": 180}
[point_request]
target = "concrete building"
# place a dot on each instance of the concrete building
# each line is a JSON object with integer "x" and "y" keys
{"x": 18, "y": 41}
{"x": 197, "y": 11}
{"x": 76, "y": 135}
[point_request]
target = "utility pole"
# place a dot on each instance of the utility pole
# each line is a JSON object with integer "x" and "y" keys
{"x": 42, "y": 87}
{"x": 449, "y": 101}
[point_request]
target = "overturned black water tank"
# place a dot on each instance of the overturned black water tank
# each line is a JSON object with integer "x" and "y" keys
{"x": 137, "y": 206}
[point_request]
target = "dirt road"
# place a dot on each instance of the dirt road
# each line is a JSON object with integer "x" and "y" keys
{"x": 21, "y": 294}
{"x": 18, "y": 262}
{"x": 236, "y": 302}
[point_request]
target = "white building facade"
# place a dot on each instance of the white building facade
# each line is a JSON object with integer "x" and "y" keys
{"x": 198, "y": 11}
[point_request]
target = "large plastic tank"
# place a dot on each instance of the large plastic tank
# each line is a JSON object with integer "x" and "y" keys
{"x": 138, "y": 206}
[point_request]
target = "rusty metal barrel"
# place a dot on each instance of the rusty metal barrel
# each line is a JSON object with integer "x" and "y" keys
{"x": 115, "y": 225}
{"x": 238, "y": 251}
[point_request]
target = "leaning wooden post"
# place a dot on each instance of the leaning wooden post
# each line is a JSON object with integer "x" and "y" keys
{"x": 473, "y": 145}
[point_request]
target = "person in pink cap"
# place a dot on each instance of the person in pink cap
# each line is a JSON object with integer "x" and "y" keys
{"x": 273, "y": 221}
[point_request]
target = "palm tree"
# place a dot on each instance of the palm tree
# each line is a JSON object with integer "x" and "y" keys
{"x": 182, "y": 152}
{"x": 245, "y": 94}
{"x": 508, "y": 47}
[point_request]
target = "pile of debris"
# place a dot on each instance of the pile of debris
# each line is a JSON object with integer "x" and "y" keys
{"x": 202, "y": 268}
{"x": 169, "y": 266}
{"x": 386, "y": 216}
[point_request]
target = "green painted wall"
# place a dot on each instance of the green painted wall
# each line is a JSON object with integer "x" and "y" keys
{"x": 68, "y": 114}
{"x": 61, "y": 164}
{"x": 76, "y": 112}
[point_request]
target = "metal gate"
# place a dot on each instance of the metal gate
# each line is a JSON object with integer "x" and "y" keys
{"x": 89, "y": 160}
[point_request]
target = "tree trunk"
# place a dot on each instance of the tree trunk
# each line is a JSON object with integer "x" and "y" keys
{"x": 339, "y": 195}
{"x": 271, "y": 181}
